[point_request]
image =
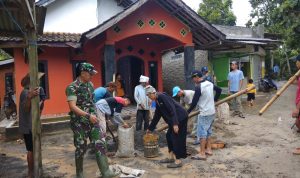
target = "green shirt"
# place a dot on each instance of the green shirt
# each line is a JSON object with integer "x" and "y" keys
{"x": 82, "y": 93}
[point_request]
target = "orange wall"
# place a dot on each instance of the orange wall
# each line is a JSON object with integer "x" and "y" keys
{"x": 8, "y": 68}
{"x": 60, "y": 75}
{"x": 147, "y": 12}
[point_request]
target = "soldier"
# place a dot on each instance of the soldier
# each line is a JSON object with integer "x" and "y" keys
{"x": 84, "y": 122}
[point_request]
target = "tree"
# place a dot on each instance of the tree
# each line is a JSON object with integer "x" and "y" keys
{"x": 4, "y": 55}
{"x": 217, "y": 12}
{"x": 279, "y": 16}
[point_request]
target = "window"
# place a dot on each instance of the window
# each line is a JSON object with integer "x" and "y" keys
{"x": 44, "y": 81}
{"x": 75, "y": 70}
{"x": 9, "y": 82}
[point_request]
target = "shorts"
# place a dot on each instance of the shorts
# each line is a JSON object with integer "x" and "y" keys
{"x": 251, "y": 96}
{"x": 204, "y": 129}
{"x": 28, "y": 141}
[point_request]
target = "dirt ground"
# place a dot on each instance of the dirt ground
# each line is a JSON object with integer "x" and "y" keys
{"x": 256, "y": 147}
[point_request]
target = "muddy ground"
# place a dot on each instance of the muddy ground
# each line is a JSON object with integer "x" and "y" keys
{"x": 256, "y": 147}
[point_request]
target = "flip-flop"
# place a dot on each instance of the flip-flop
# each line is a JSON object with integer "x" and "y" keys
{"x": 198, "y": 157}
{"x": 174, "y": 165}
{"x": 209, "y": 153}
{"x": 296, "y": 151}
{"x": 167, "y": 160}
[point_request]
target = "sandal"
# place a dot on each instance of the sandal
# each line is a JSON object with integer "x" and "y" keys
{"x": 209, "y": 153}
{"x": 174, "y": 165}
{"x": 167, "y": 160}
{"x": 199, "y": 157}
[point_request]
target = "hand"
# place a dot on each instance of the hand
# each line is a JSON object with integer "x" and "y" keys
{"x": 142, "y": 106}
{"x": 125, "y": 125}
{"x": 34, "y": 92}
{"x": 176, "y": 129}
{"x": 93, "y": 119}
{"x": 295, "y": 113}
{"x": 148, "y": 131}
{"x": 229, "y": 93}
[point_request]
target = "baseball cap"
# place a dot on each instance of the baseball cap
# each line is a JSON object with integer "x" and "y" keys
{"x": 196, "y": 73}
{"x": 150, "y": 89}
{"x": 233, "y": 62}
{"x": 88, "y": 68}
{"x": 204, "y": 69}
{"x": 175, "y": 91}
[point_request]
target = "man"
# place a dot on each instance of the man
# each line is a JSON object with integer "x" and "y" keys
{"x": 84, "y": 122}
{"x": 176, "y": 117}
{"x": 186, "y": 97}
{"x": 276, "y": 70}
{"x": 101, "y": 92}
{"x": 143, "y": 104}
{"x": 235, "y": 82}
{"x": 25, "y": 119}
{"x": 111, "y": 107}
{"x": 204, "y": 98}
{"x": 296, "y": 111}
{"x": 206, "y": 75}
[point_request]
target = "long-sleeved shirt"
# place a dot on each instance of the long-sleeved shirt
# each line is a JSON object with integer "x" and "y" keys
{"x": 141, "y": 98}
{"x": 112, "y": 107}
{"x": 198, "y": 93}
{"x": 170, "y": 110}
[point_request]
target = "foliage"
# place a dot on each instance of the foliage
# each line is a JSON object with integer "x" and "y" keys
{"x": 217, "y": 12}
{"x": 279, "y": 16}
{"x": 4, "y": 55}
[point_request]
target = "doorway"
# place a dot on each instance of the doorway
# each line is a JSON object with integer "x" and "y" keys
{"x": 130, "y": 68}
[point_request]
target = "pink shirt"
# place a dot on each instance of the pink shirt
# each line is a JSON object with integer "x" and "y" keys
{"x": 120, "y": 100}
{"x": 298, "y": 92}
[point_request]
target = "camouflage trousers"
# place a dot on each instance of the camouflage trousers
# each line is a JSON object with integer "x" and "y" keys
{"x": 82, "y": 131}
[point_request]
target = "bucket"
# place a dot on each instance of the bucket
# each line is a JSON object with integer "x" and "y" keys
{"x": 151, "y": 148}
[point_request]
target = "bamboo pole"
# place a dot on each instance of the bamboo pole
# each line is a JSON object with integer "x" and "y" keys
{"x": 195, "y": 113}
{"x": 279, "y": 92}
{"x": 34, "y": 82}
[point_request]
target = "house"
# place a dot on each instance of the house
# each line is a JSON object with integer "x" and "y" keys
{"x": 246, "y": 45}
{"x": 131, "y": 42}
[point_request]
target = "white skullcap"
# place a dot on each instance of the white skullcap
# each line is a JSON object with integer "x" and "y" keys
{"x": 144, "y": 79}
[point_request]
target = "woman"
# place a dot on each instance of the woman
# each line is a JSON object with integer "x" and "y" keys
{"x": 176, "y": 117}
{"x": 120, "y": 89}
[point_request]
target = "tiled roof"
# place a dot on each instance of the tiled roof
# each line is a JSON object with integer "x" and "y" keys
{"x": 48, "y": 37}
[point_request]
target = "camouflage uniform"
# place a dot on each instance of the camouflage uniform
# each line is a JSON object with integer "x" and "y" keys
{"x": 80, "y": 125}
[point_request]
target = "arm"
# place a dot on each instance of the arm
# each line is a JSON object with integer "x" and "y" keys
{"x": 218, "y": 92}
{"x": 241, "y": 79}
{"x": 155, "y": 120}
{"x": 195, "y": 99}
{"x": 241, "y": 84}
{"x": 136, "y": 96}
{"x": 31, "y": 94}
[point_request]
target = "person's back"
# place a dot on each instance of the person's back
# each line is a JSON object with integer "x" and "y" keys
{"x": 206, "y": 101}
{"x": 101, "y": 93}
{"x": 187, "y": 98}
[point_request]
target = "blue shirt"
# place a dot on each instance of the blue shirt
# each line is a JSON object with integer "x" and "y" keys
{"x": 234, "y": 78}
{"x": 101, "y": 93}
{"x": 276, "y": 69}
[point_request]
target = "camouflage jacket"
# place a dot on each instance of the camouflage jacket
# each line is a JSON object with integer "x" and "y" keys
{"x": 82, "y": 93}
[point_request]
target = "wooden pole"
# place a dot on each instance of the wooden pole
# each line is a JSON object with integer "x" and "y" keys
{"x": 279, "y": 92}
{"x": 35, "y": 109}
{"x": 195, "y": 113}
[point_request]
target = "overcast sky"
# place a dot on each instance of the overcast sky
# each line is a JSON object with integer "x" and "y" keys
{"x": 241, "y": 9}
